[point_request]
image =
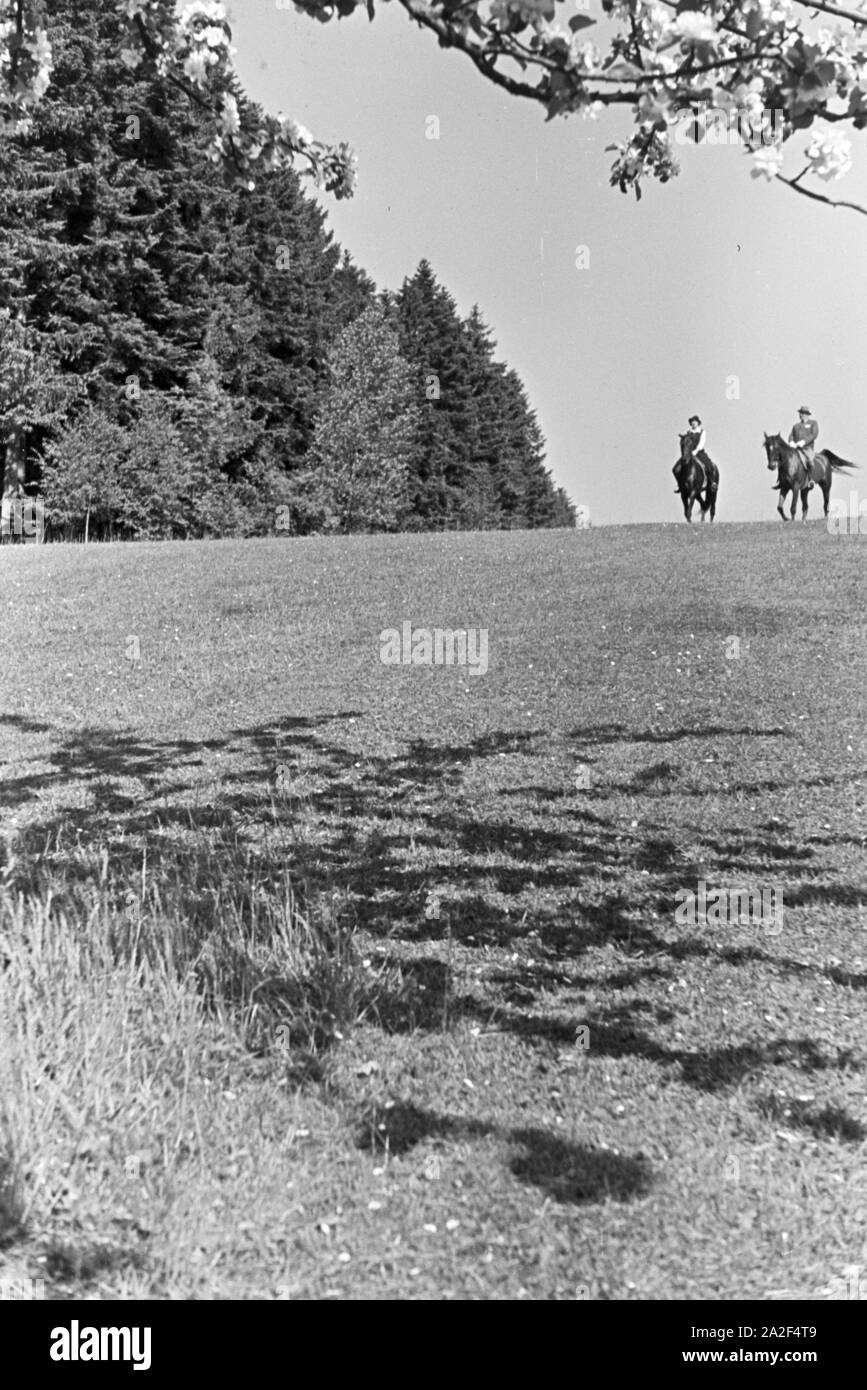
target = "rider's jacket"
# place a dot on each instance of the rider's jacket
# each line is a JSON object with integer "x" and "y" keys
{"x": 697, "y": 440}
{"x": 804, "y": 434}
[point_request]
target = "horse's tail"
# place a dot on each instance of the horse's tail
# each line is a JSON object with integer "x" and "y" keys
{"x": 839, "y": 465}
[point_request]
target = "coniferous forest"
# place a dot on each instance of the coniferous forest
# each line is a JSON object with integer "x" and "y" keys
{"x": 183, "y": 356}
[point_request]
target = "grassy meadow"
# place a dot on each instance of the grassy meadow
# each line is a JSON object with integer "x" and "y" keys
{"x": 327, "y": 978}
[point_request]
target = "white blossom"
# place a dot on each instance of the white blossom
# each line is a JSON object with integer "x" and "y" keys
{"x": 658, "y": 24}
{"x": 202, "y": 9}
{"x": 230, "y": 121}
{"x": 295, "y": 132}
{"x": 39, "y": 48}
{"x": 767, "y": 162}
{"x": 588, "y": 57}
{"x": 830, "y": 154}
{"x": 196, "y": 67}
{"x": 213, "y": 36}
{"x": 666, "y": 63}
{"x": 695, "y": 27}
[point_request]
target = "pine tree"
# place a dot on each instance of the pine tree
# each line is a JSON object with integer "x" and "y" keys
{"x": 286, "y": 292}
{"x": 497, "y": 444}
{"x": 564, "y": 509}
{"x": 122, "y": 242}
{"x": 172, "y": 300}
{"x": 365, "y": 439}
{"x": 433, "y": 339}
{"x": 525, "y": 444}
{"x": 481, "y": 461}
{"x": 110, "y": 272}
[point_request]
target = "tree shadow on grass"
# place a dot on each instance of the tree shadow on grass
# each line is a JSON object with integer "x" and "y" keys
{"x": 568, "y": 1173}
{"x": 393, "y": 833}
{"x": 828, "y": 1122}
{"x": 23, "y": 725}
{"x": 426, "y": 1001}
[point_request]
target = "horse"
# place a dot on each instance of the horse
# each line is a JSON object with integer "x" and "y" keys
{"x": 792, "y": 473}
{"x": 692, "y": 482}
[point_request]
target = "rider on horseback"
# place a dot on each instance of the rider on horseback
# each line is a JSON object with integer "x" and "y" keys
{"x": 695, "y": 439}
{"x": 804, "y": 434}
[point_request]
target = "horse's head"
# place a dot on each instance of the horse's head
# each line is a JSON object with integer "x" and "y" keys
{"x": 774, "y": 449}
{"x": 685, "y": 448}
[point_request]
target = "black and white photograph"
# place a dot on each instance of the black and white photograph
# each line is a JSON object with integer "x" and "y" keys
{"x": 433, "y": 736}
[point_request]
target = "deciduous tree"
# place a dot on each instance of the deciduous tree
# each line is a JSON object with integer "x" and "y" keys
{"x": 365, "y": 440}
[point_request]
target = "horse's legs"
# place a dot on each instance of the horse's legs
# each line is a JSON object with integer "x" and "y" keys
{"x": 794, "y": 503}
{"x": 781, "y": 504}
{"x": 805, "y": 502}
{"x": 826, "y": 494}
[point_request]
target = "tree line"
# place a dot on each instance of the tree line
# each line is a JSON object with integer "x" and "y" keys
{"x": 182, "y": 355}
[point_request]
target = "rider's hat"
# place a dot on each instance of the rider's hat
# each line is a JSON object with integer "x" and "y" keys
{"x": 804, "y": 410}
{"x": 694, "y": 417}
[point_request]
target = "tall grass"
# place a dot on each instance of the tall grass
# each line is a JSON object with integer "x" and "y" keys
{"x": 123, "y": 987}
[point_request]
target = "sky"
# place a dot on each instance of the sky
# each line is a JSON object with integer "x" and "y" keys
{"x": 716, "y": 294}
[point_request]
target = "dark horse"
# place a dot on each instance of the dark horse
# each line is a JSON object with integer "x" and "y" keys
{"x": 692, "y": 483}
{"x": 792, "y": 473}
